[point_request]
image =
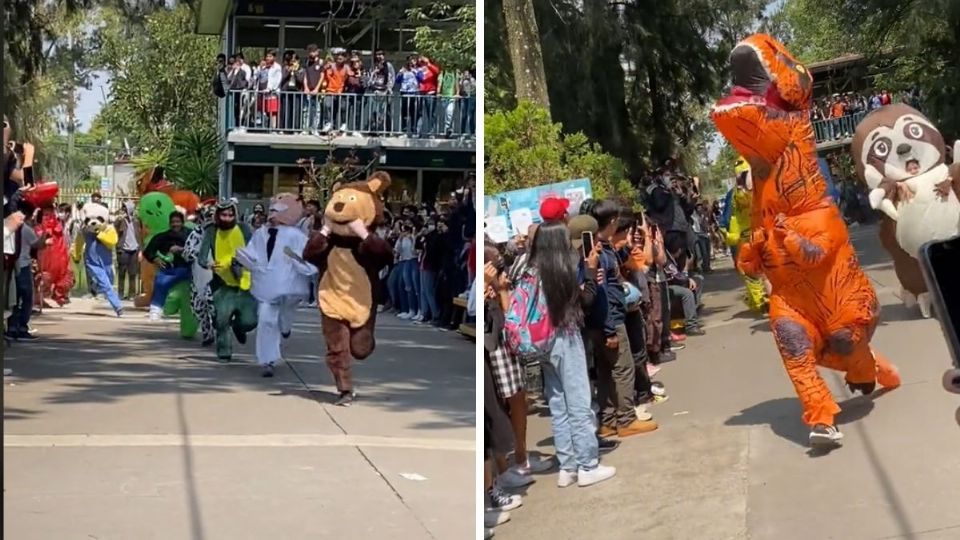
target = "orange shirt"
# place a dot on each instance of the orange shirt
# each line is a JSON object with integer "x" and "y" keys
{"x": 336, "y": 79}
{"x": 837, "y": 110}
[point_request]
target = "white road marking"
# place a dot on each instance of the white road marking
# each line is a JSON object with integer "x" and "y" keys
{"x": 224, "y": 441}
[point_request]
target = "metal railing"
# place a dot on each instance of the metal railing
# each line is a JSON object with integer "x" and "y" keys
{"x": 371, "y": 114}
{"x": 835, "y": 129}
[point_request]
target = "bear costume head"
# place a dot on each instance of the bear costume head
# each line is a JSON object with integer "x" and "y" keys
{"x": 94, "y": 217}
{"x": 354, "y": 201}
{"x": 888, "y": 138}
{"x": 285, "y": 209}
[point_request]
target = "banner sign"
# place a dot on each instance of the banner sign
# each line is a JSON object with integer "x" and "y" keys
{"x": 511, "y": 213}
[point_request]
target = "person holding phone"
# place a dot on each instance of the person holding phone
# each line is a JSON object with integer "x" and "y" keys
{"x": 610, "y": 345}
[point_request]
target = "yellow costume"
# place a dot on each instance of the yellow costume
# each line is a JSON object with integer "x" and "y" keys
{"x": 738, "y": 233}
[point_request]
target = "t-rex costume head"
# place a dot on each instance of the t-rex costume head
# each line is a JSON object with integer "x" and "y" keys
{"x": 766, "y": 118}
{"x": 285, "y": 209}
{"x": 356, "y": 201}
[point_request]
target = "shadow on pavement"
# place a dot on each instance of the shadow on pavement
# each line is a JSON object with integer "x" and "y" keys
{"x": 115, "y": 359}
{"x": 784, "y": 416}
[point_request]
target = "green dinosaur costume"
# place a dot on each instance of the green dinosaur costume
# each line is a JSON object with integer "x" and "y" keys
{"x": 154, "y": 211}
{"x": 235, "y": 308}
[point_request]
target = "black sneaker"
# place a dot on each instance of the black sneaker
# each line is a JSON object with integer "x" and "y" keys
{"x": 695, "y": 331}
{"x": 285, "y": 335}
{"x": 346, "y": 398}
{"x": 267, "y": 371}
{"x": 501, "y": 500}
{"x": 241, "y": 336}
{"x": 866, "y": 388}
{"x": 26, "y": 336}
{"x": 607, "y": 445}
{"x": 823, "y": 436}
{"x": 666, "y": 356}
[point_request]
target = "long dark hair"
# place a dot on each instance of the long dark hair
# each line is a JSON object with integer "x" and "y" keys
{"x": 556, "y": 263}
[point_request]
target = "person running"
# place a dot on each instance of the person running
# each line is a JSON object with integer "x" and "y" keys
{"x": 165, "y": 251}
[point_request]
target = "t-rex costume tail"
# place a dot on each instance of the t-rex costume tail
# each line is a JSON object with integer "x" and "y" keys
{"x": 823, "y": 309}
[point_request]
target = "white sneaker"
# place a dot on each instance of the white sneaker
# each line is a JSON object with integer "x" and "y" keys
{"x": 343, "y": 128}
{"x": 825, "y": 436}
{"x": 487, "y": 533}
{"x": 154, "y": 314}
{"x": 643, "y": 414}
{"x": 7, "y": 371}
{"x": 493, "y": 518}
{"x": 501, "y": 500}
{"x": 595, "y": 476}
{"x": 566, "y": 478}
{"x": 418, "y": 318}
{"x": 327, "y": 127}
{"x": 404, "y": 315}
{"x": 514, "y": 479}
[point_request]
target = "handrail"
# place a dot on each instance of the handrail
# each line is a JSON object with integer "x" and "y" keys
{"x": 837, "y": 129}
{"x": 376, "y": 114}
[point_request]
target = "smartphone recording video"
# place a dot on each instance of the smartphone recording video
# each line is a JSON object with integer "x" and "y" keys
{"x": 587, "y": 238}
{"x": 940, "y": 262}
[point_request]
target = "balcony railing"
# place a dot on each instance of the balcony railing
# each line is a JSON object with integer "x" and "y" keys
{"x": 372, "y": 115}
{"x": 837, "y": 129}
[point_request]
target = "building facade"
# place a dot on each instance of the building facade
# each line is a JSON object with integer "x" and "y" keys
{"x": 379, "y": 117}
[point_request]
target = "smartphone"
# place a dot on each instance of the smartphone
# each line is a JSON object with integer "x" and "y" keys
{"x": 587, "y": 238}
{"x": 939, "y": 262}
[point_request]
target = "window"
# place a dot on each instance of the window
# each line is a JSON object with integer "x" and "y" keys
{"x": 353, "y": 35}
{"x": 252, "y": 181}
{"x": 288, "y": 180}
{"x": 255, "y": 36}
{"x": 298, "y": 34}
{"x": 403, "y": 188}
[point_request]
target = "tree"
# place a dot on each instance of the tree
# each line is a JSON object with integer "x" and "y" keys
{"x": 634, "y": 76}
{"x": 523, "y": 148}
{"x": 448, "y": 35}
{"x": 194, "y": 160}
{"x": 160, "y": 75}
{"x": 523, "y": 42}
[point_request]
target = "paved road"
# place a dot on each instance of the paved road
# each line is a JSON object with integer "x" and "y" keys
{"x": 117, "y": 429}
{"x": 730, "y": 459}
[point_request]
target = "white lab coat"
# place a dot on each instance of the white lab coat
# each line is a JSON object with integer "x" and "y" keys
{"x": 279, "y": 285}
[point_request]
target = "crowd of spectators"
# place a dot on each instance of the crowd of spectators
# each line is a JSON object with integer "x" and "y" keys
{"x": 432, "y": 245}
{"x": 838, "y": 107}
{"x": 610, "y": 306}
{"x": 340, "y": 93}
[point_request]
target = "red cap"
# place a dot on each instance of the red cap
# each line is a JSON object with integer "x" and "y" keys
{"x": 554, "y": 208}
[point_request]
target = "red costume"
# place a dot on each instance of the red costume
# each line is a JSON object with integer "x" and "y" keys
{"x": 823, "y": 308}
{"x": 54, "y": 259}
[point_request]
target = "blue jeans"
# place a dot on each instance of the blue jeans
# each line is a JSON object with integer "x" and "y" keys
{"x": 311, "y": 113}
{"x": 164, "y": 281}
{"x": 411, "y": 284}
{"x": 428, "y": 295}
{"x": 19, "y": 322}
{"x": 567, "y": 389}
{"x": 395, "y": 288}
{"x": 468, "y": 123}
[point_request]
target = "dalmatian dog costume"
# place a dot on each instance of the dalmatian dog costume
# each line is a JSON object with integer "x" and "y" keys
{"x": 201, "y": 295}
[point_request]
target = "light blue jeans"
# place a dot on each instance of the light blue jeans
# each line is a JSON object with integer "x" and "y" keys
{"x": 567, "y": 389}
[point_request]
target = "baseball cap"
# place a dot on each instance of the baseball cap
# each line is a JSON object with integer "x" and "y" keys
{"x": 579, "y": 225}
{"x": 554, "y": 208}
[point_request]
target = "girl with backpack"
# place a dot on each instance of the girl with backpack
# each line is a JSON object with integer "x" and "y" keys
{"x": 543, "y": 321}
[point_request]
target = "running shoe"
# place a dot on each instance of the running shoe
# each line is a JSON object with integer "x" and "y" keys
{"x": 824, "y": 436}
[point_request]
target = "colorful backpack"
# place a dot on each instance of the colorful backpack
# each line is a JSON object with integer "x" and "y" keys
{"x": 528, "y": 332}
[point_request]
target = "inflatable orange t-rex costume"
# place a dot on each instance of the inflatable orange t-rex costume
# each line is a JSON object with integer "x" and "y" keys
{"x": 823, "y": 309}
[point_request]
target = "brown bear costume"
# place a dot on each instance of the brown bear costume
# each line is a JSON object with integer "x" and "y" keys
{"x": 350, "y": 258}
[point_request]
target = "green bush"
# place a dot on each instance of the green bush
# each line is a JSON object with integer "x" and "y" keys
{"x": 524, "y": 149}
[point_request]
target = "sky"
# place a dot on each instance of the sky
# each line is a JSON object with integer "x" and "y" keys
{"x": 90, "y": 101}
